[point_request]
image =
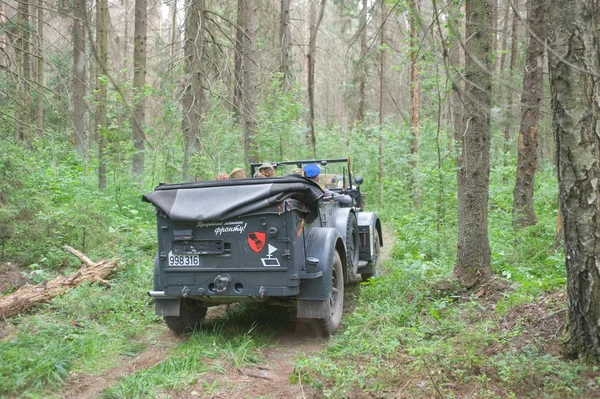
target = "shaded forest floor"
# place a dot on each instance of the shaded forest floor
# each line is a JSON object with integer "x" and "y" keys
{"x": 404, "y": 335}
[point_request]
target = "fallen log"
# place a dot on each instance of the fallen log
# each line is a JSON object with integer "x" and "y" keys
{"x": 29, "y": 295}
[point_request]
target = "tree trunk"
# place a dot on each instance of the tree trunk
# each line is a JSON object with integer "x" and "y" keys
{"x": 29, "y": 296}
{"x": 455, "y": 59}
{"x": 473, "y": 263}
{"x": 505, "y": 23}
{"x": 310, "y": 55}
{"x": 249, "y": 76}
{"x": 285, "y": 37}
{"x": 381, "y": 100}
{"x": 79, "y": 105}
{"x": 101, "y": 87}
{"x": 22, "y": 57}
{"x": 523, "y": 205}
{"x": 414, "y": 104}
{"x": 574, "y": 64}
{"x": 237, "y": 64}
{"x": 362, "y": 73}
{"x": 139, "y": 83}
{"x": 494, "y": 28}
{"x": 513, "y": 60}
{"x": 193, "y": 98}
{"x": 40, "y": 68}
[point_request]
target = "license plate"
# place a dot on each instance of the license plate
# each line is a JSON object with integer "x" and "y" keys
{"x": 183, "y": 260}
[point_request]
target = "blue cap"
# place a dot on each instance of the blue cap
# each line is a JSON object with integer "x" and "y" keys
{"x": 311, "y": 170}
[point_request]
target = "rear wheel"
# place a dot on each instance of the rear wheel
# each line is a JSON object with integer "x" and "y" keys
{"x": 191, "y": 314}
{"x": 352, "y": 248}
{"x": 373, "y": 268}
{"x": 335, "y": 304}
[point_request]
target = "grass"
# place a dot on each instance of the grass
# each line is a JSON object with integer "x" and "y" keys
{"x": 414, "y": 335}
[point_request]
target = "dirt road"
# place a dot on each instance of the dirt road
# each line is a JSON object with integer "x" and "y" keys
{"x": 270, "y": 378}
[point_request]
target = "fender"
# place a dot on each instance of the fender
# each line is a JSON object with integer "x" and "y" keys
{"x": 321, "y": 244}
{"x": 368, "y": 223}
{"x": 370, "y": 219}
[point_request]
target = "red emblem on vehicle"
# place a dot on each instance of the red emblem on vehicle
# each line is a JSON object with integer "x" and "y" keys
{"x": 256, "y": 240}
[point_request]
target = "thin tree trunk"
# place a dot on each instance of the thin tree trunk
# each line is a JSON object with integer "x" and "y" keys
{"x": 285, "y": 37}
{"x": 473, "y": 258}
{"x": 523, "y": 204}
{"x": 414, "y": 104}
{"x": 40, "y": 67}
{"x": 574, "y": 65}
{"x": 362, "y": 73}
{"x": 311, "y": 74}
{"x": 139, "y": 83}
{"x": 193, "y": 99}
{"x": 505, "y": 23}
{"x": 23, "y": 61}
{"x": 381, "y": 98}
{"x": 101, "y": 87}
{"x": 513, "y": 60}
{"x": 237, "y": 64}
{"x": 249, "y": 77}
{"x": 494, "y": 29}
{"x": 79, "y": 104}
{"x": 174, "y": 43}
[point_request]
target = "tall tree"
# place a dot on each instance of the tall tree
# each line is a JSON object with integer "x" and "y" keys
{"x": 237, "y": 64}
{"x": 249, "y": 77}
{"x": 523, "y": 205}
{"x": 310, "y": 56}
{"x": 23, "y": 65}
{"x": 139, "y": 83}
{"x": 362, "y": 73}
{"x": 193, "y": 97}
{"x": 382, "y": 89}
{"x": 414, "y": 102}
{"x": 101, "y": 52}
{"x": 473, "y": 258}
{"x": 513, "y": 60}
{"x": 80, "y": 135}
{"x": 285, "y": 37}
{"x": 574, "y": 64}
{"x": 40, "y": 66}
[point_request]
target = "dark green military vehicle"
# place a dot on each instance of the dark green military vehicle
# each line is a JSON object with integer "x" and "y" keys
{"x": 283, "y": 240}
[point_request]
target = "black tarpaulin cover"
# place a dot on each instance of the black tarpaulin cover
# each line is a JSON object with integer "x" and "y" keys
{"x": 226, "y": 199}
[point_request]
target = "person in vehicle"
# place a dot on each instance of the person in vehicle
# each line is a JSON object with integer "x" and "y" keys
{"x": 266, "y": 170}
{"x": 237, "y": 173}
{"x": 312, "y": 171}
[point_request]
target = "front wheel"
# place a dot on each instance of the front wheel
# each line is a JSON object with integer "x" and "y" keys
{"x": 335, "y": 304}
{"x": 191, "y": 314}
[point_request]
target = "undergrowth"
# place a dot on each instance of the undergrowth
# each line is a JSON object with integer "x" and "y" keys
{"x": 408, "y": 338}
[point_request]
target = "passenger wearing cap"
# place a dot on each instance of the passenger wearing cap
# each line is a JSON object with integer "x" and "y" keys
{"x": 266, "y": 170}
{"x": 311, "y": 171}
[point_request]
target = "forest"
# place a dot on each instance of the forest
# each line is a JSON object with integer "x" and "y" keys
{"x": 474, "y": 124}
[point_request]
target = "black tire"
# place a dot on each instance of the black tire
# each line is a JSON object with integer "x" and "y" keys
{"x": 373, "y": 266}
{"x": 352, "y": 249}
{"x": 335, "y": 304}
{"x": 190, "y": 317}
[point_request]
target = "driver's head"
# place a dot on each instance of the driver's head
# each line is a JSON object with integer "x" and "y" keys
{"x": 312, "y": 171}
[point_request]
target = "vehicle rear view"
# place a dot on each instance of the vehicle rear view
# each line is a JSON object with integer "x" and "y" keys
{"x": 239, "y": 240}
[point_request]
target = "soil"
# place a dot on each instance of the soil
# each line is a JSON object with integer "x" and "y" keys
{"x": 271, "y": 378}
